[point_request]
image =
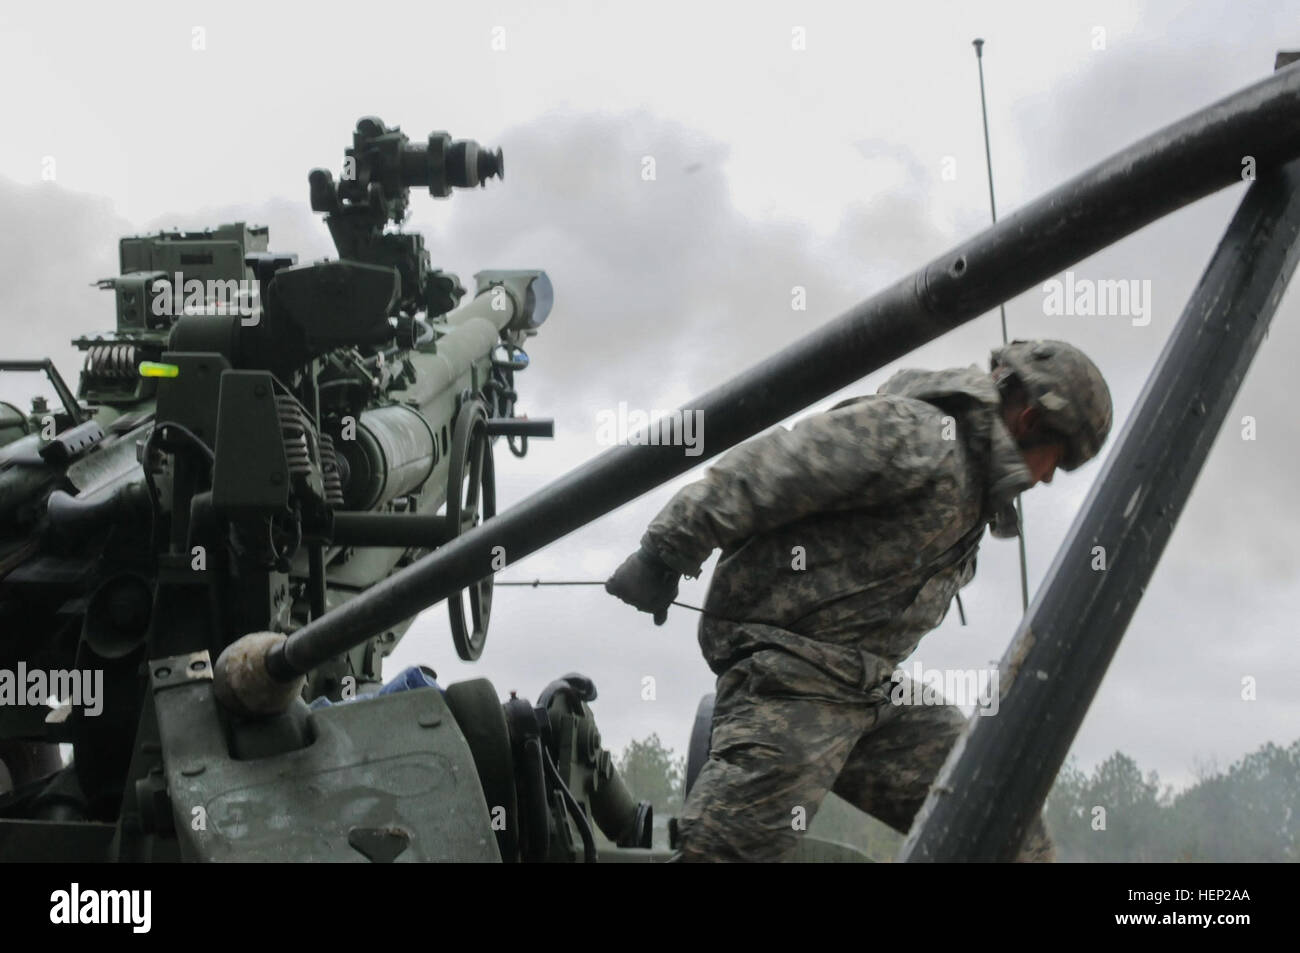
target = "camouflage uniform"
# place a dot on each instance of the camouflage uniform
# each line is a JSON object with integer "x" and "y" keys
{"x": 843, "y": 542}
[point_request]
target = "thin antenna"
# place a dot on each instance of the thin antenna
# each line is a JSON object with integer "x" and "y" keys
{"x": 993, "y": 209}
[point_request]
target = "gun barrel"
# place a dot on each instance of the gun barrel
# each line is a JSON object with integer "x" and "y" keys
{"x": 1159, "y": 174}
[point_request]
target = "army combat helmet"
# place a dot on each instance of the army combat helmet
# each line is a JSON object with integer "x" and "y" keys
{"x": 1066, "y": 388}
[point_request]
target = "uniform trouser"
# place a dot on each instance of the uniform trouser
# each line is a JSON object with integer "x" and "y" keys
{"x": 784, "y": 735}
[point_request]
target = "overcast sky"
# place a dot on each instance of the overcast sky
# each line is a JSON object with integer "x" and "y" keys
{"x": 821, "y": 167}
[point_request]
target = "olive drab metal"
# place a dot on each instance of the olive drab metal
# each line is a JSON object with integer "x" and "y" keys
{"x": 258, "y": 466}
{"x": 253, "y": 444}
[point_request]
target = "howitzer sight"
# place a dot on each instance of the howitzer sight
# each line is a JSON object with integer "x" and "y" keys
{"x": 255, "y": 443}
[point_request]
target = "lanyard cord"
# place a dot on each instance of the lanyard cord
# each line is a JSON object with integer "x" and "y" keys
{"x": 955, "y": 554}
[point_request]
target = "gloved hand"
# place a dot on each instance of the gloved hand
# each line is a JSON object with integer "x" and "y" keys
{"x": 645, "y": 581}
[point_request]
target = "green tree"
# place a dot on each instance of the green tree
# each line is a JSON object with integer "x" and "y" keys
{"x": 1249, "y": 813}
{"x": 1116, "y": 815}
{"x": 653, "y": 773}
{"x": 1134, "y": 806}
{"x": 1066, "y": 815}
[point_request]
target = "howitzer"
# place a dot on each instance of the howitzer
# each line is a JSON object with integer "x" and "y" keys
{"x": 255, "y": 443}
{"x": 1159, "y": 174}
{"x": 281, "y": 780}
{"x": 1169, "y": 169}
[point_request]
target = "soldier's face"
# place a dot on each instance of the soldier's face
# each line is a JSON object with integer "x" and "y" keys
{"x": 1043, "y": 460}
{"x": 1042, "y": 454}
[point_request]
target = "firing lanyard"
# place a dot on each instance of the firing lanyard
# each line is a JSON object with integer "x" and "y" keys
{"x": 955, "y": 554}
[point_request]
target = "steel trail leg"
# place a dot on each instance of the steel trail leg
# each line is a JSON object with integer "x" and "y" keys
{"x": 995, "y": 780}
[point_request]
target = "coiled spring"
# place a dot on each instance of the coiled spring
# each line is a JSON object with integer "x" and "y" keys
{"x": 113, "y": 361}
{"x": 300, "y": 440}
{"x": 330, "y": 469}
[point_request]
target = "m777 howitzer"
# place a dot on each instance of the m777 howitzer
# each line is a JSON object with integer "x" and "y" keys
{"x": 256, "y": 443}
{"x": 1000, "y": 771}
{"x": 225, "y": 761}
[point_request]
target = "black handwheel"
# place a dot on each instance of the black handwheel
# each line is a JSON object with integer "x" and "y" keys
{"x": 471, "y": 498}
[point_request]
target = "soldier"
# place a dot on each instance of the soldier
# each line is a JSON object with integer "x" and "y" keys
{"x": 843, "y": 542}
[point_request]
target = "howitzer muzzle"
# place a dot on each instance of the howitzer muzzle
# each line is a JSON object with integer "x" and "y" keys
{"x": 512, "y": 299}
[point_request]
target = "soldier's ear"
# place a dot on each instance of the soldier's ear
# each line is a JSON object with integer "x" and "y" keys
{"x": 1027, "y": 419}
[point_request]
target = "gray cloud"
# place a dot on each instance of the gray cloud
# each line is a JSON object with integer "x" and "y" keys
{"x": 54, "y": 246}
{"x": 663, "y": 290}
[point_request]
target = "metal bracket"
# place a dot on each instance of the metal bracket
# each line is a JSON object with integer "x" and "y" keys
{"x": 177, "y": 670}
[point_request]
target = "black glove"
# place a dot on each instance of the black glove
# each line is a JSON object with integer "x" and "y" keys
{"x": 645, "y": 581}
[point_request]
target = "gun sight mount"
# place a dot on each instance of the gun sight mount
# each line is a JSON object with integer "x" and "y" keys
{"x": 383, "y": 165}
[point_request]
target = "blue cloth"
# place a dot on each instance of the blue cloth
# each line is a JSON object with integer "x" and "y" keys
{"x": 406, "y": 679}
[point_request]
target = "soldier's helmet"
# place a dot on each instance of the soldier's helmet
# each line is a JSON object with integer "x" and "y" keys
{"x": 1068, "y": 390}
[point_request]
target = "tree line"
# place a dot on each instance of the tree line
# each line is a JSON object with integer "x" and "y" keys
{"x": 1248, "y": 812}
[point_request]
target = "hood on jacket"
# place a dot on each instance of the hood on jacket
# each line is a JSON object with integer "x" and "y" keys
{"x": 969, "y": 395}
